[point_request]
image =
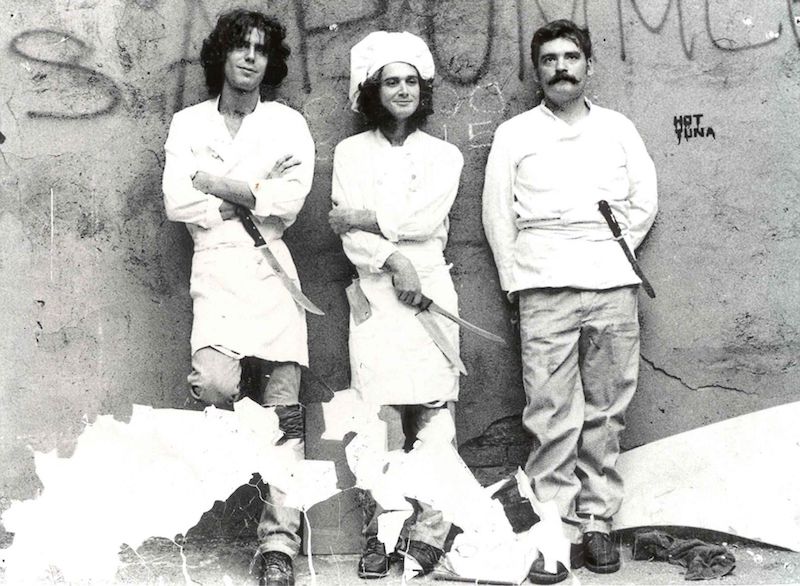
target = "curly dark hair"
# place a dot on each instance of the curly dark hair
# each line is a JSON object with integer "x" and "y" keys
{"x": 559, "y": 29}
{"x": 369, "y": 102}
{"x": 233, "y": 27}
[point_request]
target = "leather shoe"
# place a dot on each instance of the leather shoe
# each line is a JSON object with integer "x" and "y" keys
{"x": 374, "y": 562}
{"x": 424, "y": 554}
{"x": 602, "y": 554}
{"x": 538, "y": 575}
{"x": 276, "y": 569}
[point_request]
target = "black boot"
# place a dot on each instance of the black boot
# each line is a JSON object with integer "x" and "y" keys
{"x": 538, "y": 575}
{"x": 602, "y": 554}
{"x": 425, "y": 555}
{"x": 276, "y": 569}
{"x": 374, "y": 562}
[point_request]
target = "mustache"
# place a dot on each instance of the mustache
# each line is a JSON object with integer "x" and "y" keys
{"x": 562, "y": 77}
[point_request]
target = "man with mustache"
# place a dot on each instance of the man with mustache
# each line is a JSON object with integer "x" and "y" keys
{"x": 579, "y": 332}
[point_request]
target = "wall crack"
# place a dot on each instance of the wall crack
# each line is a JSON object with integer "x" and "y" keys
{"x": 690, "y": 387}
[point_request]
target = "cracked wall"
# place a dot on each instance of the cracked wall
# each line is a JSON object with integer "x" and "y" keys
{"x": 96, "y": 312}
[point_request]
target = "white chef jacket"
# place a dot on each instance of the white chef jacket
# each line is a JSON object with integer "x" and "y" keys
{"x": 544, "y": 178}
{"x": 239, "y": 304}
{"x": 411, "y": 188}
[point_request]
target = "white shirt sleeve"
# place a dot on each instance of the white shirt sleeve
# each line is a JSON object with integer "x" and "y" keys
{"x": 643, "y": 190}
{"x": 184, "y": 203}
{"x": 283, "y": 197}
{"x": 499, "y": 217}
{"x": 365, "y": 250}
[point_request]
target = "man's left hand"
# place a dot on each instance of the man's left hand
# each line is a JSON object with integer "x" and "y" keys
{"x": 203, "y": 181}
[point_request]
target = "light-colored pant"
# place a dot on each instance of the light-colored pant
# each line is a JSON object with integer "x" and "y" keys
{"x": 403, "y": 423}
{"x": 580, "y": 356}
{"x": 215, "y": 379}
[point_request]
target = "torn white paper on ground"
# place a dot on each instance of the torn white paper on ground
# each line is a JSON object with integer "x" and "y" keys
{"x": 346, "y": 413}
{"x": 739, "y": 476}
{"x": 502, "y": 556}
{"x": 310, "y": 482}
{"x": 547, "y": 533}
{"x": 390, "y": 524}
{"x": 433, "y": 473}
{"x": 151, "y": 477}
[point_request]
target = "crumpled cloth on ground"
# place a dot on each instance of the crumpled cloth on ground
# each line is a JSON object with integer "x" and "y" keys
{"x": 703, "y": 561}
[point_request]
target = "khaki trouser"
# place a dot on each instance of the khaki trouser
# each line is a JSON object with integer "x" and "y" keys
{"x": 580, "y": 355}
{"x": 215, "y": 379}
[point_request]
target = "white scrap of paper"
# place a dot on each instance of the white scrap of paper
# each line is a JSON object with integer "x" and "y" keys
{"x": 346, "y": 413}
{"x": 151, "y": 477}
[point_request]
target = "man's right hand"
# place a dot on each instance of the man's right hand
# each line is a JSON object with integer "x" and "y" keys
{"x": 405, "y": 279}
{"x": 283, "y": 166}
{"x": 227, "y": 210}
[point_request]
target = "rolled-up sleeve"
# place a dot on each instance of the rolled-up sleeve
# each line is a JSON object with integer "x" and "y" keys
{"x": 499, "y": 217}
{"x": 643, "y": 188}
{"x": 365, "y": 250}
{"x": 283, "y": 197}
{"x": 182, "y": 202}
{"x": 442, "y": 175}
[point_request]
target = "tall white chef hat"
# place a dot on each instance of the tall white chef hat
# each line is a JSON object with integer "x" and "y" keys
{"x": 380, "y": 48}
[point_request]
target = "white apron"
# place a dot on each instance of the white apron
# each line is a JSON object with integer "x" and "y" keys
{"x": 239, "y": 305}
{"x": 393, "y": 360}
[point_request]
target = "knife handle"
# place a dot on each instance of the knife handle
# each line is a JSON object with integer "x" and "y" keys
{"x": 425, "y": 303}
{"x": 249, "y": 225}
{"x": 605, "y": 210}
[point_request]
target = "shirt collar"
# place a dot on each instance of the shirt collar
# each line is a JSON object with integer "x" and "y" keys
{"x": 550, "y": 113}
{"x": 384, "y": 142}
{"x": 260, "y": 104}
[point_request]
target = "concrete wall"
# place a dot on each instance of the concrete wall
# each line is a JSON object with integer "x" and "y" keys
{"x": 94, "y": 280}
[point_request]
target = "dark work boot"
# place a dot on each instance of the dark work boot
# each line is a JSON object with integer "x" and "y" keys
{"x": 538, "y": 575}
{"x": 276, "y": 569}
{"x": 424, "y": 554}
{"x": 374, "y": 562}
{"x": 602, "y": 554}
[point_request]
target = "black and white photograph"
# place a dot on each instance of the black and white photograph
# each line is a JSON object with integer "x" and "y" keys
{"x": 395, "y": 292}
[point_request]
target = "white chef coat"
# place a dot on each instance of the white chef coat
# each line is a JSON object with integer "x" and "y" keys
{"x": 544, "y": 178}
{"x": 239, "y": 304}
{"x": 411, "y": 188}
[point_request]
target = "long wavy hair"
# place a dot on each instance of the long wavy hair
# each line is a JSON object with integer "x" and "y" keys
{"x": 231, "y": 31}
{"x": 377, "y": 116}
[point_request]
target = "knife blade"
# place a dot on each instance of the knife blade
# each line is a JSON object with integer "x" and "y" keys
{"x": 440, "y": 339}
{"x": 429, "y": 304}
{"x": 605, "y": 210}
{"x": 286, "y": 280}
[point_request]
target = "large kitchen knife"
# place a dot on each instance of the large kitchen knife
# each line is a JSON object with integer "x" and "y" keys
{"x": 441, "y": 340}
{"x": 286, "y": 280}
{"x": 430, "y": 305}
{"x": 605, "y": 210}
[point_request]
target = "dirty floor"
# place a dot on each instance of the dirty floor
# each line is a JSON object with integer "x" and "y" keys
{"x": 159, "y": 562}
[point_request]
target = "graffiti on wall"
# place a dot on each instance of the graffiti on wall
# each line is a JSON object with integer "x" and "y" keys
{"x": 717, "y": 39}
{"x": 688, "y": 126}
{"x": 61, "y": 53}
